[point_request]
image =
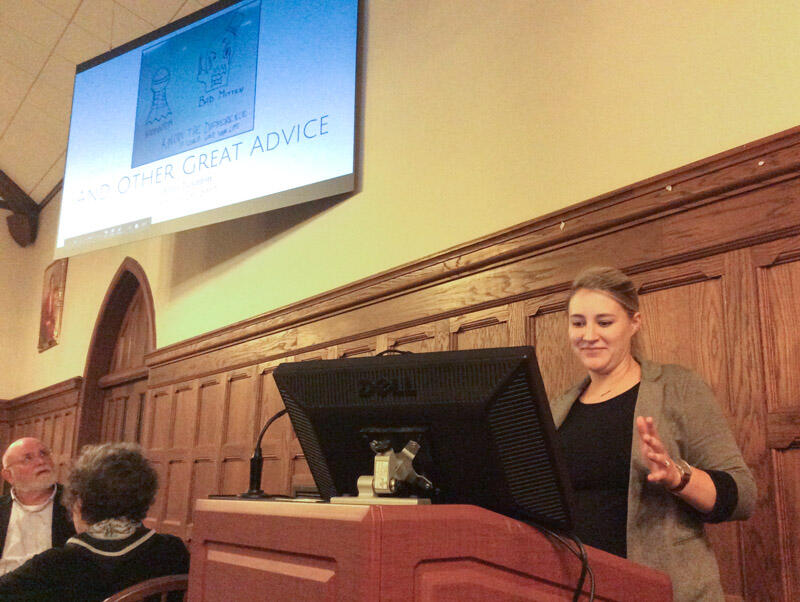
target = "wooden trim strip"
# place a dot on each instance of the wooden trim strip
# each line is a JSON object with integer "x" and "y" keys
{"x": 41, "y": 407}
{"x": 71, "y": 385}
{"x": 783, "y": 428}
{"x": 755, "y": 165}
{"x": 123, "y": 376}
{"x": 57, "y": 397}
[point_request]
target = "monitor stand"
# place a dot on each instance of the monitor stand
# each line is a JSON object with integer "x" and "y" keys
{"x": 390, "y": 470}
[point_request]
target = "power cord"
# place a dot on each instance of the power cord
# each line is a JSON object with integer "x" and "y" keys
{"x": 580, "y": 553}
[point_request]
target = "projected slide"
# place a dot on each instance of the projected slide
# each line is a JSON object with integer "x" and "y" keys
{"x": 243, "y": 110}
{"x": 198, "y": 87}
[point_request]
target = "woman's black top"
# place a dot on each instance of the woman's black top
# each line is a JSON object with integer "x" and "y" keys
{"x": 596, "y": 440}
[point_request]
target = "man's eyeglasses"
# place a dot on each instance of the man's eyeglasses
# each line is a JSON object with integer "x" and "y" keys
{"x": 31, "y": 457}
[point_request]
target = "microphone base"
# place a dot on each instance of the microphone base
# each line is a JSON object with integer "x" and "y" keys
{"x": 254, "y": 495}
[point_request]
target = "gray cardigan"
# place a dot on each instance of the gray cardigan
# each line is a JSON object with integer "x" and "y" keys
{"x": 663, "y": 531}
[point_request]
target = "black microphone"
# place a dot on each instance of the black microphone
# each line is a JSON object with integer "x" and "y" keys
{"x": 257, "y": 464}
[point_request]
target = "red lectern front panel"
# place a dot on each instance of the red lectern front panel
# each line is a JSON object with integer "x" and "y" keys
{"x": 304, "y": 551}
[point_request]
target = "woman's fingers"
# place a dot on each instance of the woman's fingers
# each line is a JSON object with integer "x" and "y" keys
{"x": 641, "y": 426}
{"x": 649, "y": 434}
{"x": 659, "y": 463}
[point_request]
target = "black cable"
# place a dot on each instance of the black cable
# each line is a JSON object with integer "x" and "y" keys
{"x": 584, "y": 570}
{"x": 579, "y": 553}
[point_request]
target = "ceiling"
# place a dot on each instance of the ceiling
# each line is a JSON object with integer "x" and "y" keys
{"x": 41, "y": 42}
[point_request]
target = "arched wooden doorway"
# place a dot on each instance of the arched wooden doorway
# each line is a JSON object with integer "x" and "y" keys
{"x": 115, "y": 376}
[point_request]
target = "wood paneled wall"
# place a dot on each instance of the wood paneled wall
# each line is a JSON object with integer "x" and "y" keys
{"x": 713, "y": 248}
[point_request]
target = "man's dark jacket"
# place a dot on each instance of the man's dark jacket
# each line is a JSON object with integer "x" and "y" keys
{"x": 62, "y": 523}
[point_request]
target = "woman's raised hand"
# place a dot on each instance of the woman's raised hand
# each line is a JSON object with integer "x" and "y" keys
{"x": 662, "y": 468}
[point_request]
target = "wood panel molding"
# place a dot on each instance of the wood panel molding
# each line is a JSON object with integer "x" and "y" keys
{"x": 783, "y": 429}
{"x": 682, "y": 280}
{"x": 49, "y": 399}
{"x": 780, "y": 252}
{"x": 122, "y": 376}
{"x": 765, "y": 163}
{"x": 70, "y": 385}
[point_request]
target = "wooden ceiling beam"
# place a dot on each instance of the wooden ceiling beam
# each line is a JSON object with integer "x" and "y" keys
{"x": 23, "y": 223}
{"x": 15, "y": 198}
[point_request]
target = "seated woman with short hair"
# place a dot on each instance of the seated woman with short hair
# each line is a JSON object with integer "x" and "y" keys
{"x": 109, "y": 490}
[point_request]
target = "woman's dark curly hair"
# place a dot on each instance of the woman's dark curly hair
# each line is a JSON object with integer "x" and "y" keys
{"x": 112, "y": 480}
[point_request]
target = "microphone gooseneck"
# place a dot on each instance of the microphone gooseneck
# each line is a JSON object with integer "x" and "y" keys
{"x": 257, "y": 463}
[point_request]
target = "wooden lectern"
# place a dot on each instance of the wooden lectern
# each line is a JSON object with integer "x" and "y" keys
{"x": 307, "y": 551}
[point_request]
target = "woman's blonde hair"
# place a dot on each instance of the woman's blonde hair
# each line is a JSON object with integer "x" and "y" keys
{"x": 612, "y": 282}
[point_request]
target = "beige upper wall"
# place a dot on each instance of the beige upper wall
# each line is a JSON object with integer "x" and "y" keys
{"x": 477, "y": 116}
{"x": 12, "y": 274}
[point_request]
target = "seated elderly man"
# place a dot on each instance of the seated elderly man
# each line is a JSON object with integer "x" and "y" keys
{"x": 109, "y": 491}
{"x": 32, "y": 518}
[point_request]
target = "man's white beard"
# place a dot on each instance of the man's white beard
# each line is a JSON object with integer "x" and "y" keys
{"x": 40, "y": 483}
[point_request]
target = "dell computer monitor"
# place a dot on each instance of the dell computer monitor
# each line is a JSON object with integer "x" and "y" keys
{"x": 481, "y": 417}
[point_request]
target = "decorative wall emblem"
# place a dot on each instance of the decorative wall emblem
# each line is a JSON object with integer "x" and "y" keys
{"x": 55, "y": 281}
